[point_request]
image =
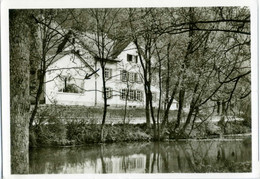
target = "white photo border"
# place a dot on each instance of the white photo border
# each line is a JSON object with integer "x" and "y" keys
{"x": 29, "y": 4}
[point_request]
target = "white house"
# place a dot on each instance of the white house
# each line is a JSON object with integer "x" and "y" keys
{"x": 66, "y": 83}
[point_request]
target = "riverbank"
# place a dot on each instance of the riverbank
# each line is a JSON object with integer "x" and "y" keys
{"x": 57, "y": 125}
{"x": 80, "y": 133}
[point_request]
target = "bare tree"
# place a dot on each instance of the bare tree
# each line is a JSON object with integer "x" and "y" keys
{"x": 209, "y": 38}
{"x": 145, "y": 41}
{"x": 52, "y": 39}
{"x": 99, "y": 39}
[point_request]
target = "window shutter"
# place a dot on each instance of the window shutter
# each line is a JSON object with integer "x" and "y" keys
{"x": 110, "y": 73}
{"x": 127, "y": 76}
{"x": 110, "y": 92}
{"x": 121, "y": 75}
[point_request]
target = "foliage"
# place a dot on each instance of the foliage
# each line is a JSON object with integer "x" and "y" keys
{"x": 78, "y": 133}
{"x": 246, "y": 115}
{"x": 236, "y": 127}
{"x": 71, "y": 89}
{"x": 49, "y": 129}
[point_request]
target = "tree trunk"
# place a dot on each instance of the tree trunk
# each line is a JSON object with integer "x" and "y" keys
{"x": 194, "y": 119}
{"x": 192, "y": 108}
{"x": 218, "y": 107}
{"x": 105, "y": 104}
{"x": 145, "y": 73}
{"x": 188, "y": 119}
{"x": 37, "y": 99}
{"x": 167, "y": 84}
{"x": 150, "y": 104}
{"x": 147, "y": 110}
{"x": 19, "y": 91}
{"x": 179, "y": 115}
{"x": 160, "y": 97}
{"x": 148, "y": 86}
{"x": 223, "y": 108}
{"x": 125, "y": 110}
{"x": 168, "y": 106}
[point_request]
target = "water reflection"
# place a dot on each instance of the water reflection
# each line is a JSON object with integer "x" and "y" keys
{"x": 165, "y": 157}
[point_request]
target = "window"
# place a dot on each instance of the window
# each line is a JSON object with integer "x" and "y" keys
{"x": 123, "y": 75}
{"x": 132, "y": 95}
{"x": 129, "y": 58}
{"x": 108, "y": 73}
{"x": 131, "y": 77}
{"x": 109, "y": 93}
{"x": 136, "y": 59}
{"x": 132, "y": 58}
{"x": 123, "y": 94}
{"x": 139, "y": 95}
{"x": 70, "y": 84}
{"x": 132, "y": 106}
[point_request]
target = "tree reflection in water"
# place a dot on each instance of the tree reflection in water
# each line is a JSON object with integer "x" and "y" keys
{"x": 150, "y": 157}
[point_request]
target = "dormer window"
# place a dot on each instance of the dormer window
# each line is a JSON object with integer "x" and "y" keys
{"x": 129, "y": 58}
{"x": 132, "y": 58}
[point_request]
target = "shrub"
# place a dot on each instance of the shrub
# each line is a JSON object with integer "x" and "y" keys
{"x": 236, "y": 127}
{"x": 49, "y": 129}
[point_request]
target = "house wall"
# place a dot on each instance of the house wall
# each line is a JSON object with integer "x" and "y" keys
{"x": 92, "y": 94}
{"x": 117, "y": 84}
{"x": 68, "y": 65}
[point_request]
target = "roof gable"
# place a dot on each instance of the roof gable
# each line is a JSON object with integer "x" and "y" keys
{"x": 72, "y": 52}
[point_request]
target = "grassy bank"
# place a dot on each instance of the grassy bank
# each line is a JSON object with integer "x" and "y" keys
{"x": 80, "y": 134}
{"x": 67, "y": 126}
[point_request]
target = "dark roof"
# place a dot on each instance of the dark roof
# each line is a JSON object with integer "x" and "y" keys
{"x": 60, "y": 55}
{"x": 119, "y": 46}
{"x": 108, "y": 59}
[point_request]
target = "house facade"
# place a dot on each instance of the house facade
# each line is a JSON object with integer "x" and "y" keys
{"x": 66, "y": 81}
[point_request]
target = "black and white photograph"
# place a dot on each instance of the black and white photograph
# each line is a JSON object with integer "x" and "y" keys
{"x": 131, "y": 90}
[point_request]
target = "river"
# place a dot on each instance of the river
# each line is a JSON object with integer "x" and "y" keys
{"x": 144, "y": 157}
